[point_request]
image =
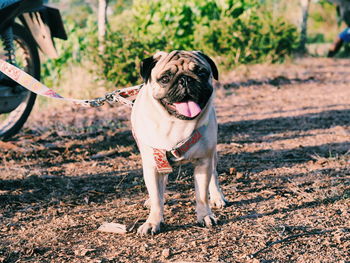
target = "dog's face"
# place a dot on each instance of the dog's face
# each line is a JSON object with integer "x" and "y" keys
{"x": 181, "y": 81}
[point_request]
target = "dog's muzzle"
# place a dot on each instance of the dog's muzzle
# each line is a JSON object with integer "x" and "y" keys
{"x": 187, "y": 98}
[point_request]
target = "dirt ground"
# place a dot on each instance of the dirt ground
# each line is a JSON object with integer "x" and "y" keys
{"x": 284, "y": 166}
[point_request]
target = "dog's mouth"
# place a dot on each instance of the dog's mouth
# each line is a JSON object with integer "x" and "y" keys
{"x": 187, "y": 110}
{"x": 187, "y": 96}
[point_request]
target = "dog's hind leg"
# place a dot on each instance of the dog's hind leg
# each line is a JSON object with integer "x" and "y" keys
{"x": 217, "y": 198}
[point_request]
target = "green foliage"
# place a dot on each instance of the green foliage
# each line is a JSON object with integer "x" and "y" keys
{"x": 123, "y": 54}
{"x": 80, "y": 47}
{"x": 231, "y": 31}
{"x": 323, "y": 25}
{"x": 247, "y": 39}
{"x": 178, "y": 20}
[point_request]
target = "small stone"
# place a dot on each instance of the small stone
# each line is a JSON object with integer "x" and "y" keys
{"x": 112, "y": 228}
{"x": 239, "y": 175}
{"x": 233, "y": 171}
{"x": 80, "y": 251}
{"x": 166, "y": 253}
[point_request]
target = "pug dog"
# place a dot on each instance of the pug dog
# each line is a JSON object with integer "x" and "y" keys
{"x": 173, "y": 120}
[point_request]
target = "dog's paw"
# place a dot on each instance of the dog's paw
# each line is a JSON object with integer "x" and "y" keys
{"x": 218, "y": 202}
{"x": 148, "y": 228}
{"x": 208, "y": 221}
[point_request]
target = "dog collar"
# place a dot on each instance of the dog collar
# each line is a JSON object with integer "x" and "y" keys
{"x": 161, "y": 156}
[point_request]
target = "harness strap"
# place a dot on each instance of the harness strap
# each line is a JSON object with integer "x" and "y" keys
{"x": 162, "y": 163}
{"x": 161, "y": 155}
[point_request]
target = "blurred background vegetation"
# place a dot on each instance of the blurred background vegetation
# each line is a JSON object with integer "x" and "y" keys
{"x": 233, "y": 32}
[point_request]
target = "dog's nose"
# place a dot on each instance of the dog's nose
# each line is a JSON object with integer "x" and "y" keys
{"x": 184, "y": 80}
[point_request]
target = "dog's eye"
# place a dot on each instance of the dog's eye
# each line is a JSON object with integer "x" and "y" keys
{"x": 164, "y": 79}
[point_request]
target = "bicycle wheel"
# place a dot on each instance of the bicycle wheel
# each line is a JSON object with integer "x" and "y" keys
{"x": 27, "y": 58}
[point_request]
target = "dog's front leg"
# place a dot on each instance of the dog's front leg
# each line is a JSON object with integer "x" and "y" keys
{"x": 202, "y": 176}
{"x": 155, "y": 187}
{"x": 148, "y": 201}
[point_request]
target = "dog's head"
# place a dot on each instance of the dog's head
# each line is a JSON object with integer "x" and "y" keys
{"x": 181, "y": 81}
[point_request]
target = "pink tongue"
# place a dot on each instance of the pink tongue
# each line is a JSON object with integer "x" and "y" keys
{"x": 188, "y": 108}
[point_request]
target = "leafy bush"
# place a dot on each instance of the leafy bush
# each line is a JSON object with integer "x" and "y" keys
{"x": 231, "y": 31}
{"x": 123, "y": 54}
{"x": 80, "y": 47}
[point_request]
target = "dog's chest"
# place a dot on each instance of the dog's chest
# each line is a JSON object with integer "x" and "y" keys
{"x": 186, "y": 151}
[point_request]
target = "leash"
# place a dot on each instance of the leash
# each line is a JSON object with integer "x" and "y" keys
{"x": 35, "y": 86}
{"x": 161, "y": 156}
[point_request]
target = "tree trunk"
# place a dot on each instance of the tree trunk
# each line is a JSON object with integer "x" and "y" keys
{"x": 303, "y": 27}
{"x": 102, "y": 21}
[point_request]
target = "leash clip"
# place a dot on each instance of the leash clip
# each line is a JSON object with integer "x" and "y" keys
{"x": 111, "y": 97}
{"x": 98, "y": 102}
{"x": 117, "y": 96}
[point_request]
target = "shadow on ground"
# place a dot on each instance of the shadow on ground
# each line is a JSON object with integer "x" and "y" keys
{"x": 257, "y": 129}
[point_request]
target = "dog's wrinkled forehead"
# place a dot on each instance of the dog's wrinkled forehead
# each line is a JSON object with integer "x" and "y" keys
{"x": 179, "y": 61}
{"x": 176, "y": 61}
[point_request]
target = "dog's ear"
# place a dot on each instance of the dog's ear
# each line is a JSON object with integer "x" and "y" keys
{"x": 146, "y": 68}
{"x": 148, "y": 64}
{"x": 212, "y": 64}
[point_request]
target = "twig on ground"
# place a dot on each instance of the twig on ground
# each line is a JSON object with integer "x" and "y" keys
{"x": 254, "y": 160}
{"x": 292, "y": 237}
{"x": 132, "y": 226}
{"x": 295, "y": 189}
{"x": 103, "y": 154}
{"x": 178, "y": 174}
{"x": 120, "y": 182}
